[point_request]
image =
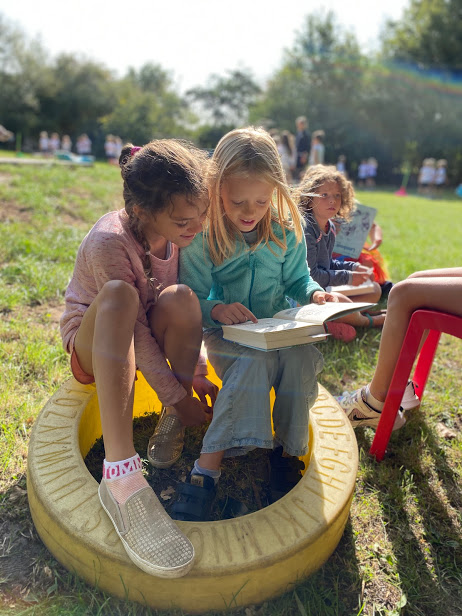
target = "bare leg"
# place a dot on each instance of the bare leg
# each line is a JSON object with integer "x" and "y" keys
{"x": 211, "y": 461}
{"x": 356, "y": 318}
{"x": 442, "y": 291}
{"x": 104, "y": 347}
{"x": 176, "y": 323}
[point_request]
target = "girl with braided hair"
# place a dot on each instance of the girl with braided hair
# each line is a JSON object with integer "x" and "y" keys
{"x": 125, "y": 311}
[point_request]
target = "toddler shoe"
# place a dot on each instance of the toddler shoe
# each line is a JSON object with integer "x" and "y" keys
{"x": 166, "y": 443}
{"x": 150, "y": 538}
{"x": 194, "y": 499}
{"x": 341, "y": 331}
{"x": 360, "y": 413}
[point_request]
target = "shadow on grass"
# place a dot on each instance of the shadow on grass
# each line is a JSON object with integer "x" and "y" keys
{"x": 420, "y": 500}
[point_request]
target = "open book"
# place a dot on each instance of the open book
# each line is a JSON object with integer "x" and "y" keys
{"x": 290, "y": 327}
{"x": 351, "y": 290}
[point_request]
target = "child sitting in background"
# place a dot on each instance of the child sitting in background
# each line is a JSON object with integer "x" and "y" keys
{"x": 250, "y": 258}
{"x": 325, "y": 194}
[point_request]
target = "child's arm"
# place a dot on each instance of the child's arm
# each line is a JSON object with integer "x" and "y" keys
{"x": 324, "y": 276}
{"x": 196, "y": 272}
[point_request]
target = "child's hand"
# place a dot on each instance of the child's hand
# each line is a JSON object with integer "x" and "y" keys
{"x": 192, "y": 412}
{"x": 361, "y": 276}
{"x": 203, "y": 387}
{"x": 229, "y": 314}
{"x": 321, "y": 297}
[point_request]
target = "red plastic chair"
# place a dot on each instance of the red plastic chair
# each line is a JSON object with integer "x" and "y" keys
{"x": 421, "y": 320}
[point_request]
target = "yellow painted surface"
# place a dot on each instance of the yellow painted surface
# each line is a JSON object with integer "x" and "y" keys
{"x": 238, "y": 562}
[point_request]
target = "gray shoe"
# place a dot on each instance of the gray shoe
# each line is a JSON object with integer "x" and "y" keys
{"x": 150, "y": 537}
{"x": 166, "y": 444}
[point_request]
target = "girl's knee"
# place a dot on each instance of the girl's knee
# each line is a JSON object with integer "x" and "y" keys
{"x": 179, "y": 303}
{"x": 118, "y": 295}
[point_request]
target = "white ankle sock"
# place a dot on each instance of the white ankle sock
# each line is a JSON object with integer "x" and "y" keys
{"x": 376, "y": 404}
{"x": 124, "y": 477}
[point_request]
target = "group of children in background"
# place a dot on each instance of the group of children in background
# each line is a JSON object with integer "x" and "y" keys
{"x": 200, "y": 243}
{"x": 50, "y": 144}
{"x": 432, "y": 176}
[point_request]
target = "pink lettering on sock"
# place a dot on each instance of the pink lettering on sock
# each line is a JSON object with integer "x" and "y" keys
{"x": 113, "y": 470}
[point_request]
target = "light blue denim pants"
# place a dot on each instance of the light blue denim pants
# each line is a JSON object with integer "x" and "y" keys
{"x": 242, "y": 412}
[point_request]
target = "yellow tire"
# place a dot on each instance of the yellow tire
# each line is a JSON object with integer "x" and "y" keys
{"x": 239, "y": 562}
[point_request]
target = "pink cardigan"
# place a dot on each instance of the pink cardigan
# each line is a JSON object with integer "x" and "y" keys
{"x": 110, "y": 252}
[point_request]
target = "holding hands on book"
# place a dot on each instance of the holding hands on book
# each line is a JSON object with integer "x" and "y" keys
{"x": 229, "y": 314}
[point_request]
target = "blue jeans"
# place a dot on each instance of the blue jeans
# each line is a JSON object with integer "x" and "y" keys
{"x": 242, "y": 412}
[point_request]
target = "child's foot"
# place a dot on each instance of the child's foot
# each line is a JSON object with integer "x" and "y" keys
{"x": 194, "y": 499}
{"x": 374, "y": 320}
{"x": 285, "y": 473}
{"x": 360, "y": 413}
{"x": 166, "y": 443}
{"x": 341, "y": 331}
{"x": 151, "y": 539}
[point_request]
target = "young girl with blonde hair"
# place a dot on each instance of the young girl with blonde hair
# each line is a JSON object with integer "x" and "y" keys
{"x": 325, "y": 194}
{"x": 124, "y": 310}
{"x": 249, "y": 259}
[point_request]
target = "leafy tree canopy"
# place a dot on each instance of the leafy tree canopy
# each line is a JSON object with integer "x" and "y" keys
{"x": 429, "y": 34}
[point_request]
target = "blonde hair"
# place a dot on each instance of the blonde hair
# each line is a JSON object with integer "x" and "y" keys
{"x": 247, "y": 152}
{"x": 314, "y": 178}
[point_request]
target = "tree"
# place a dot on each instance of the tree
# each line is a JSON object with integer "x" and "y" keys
{"x": 23, "y": 72}
{"x": 321, "y": 79}
{"x": 429, "y": 34}
{"x": 226, "y": 100}
{"x": 146, "y": 107}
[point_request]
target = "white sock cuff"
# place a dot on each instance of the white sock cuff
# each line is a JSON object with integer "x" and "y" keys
{"x": 121, "y": 468}
{"x": 376, "y": 404}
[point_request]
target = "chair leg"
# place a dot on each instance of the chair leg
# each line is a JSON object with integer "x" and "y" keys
{"x": 395, "y": 393}
{"x": 424, "y": 363}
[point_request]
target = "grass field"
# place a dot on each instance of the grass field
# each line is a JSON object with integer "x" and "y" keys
{"x": 401, "y": 552}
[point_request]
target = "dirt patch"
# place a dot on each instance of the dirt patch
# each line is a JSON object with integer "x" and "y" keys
{"x": 10, "y": 211}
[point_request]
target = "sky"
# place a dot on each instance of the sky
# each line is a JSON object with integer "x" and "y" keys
{"x": 190, "y": 38}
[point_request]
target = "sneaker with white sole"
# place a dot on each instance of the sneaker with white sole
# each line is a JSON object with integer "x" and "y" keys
{"x": 150, "y": 537}
{"x": 167, "y": 442}
{"x": 360, "y": 413}
{"x": 410, "y": 399}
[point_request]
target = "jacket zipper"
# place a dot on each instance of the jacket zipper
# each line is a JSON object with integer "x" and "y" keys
{"x": 252, "y": 267}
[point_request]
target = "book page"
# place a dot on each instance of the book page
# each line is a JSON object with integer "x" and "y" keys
{"x": 319, "y": 313}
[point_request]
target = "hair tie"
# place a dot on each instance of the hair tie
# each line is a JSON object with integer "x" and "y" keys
{"x": 134, "y": 149}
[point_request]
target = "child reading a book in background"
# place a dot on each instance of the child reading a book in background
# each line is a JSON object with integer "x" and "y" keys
{"x": 325, "y": 194}
{"x": 124, "y": 310}
{"x": 250, "y": 257}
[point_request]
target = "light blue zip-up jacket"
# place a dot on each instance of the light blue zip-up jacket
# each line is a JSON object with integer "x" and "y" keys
{"x": 260, "y": 279}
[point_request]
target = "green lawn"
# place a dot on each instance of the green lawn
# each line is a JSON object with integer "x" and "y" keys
{"x": 401, "y": 552}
